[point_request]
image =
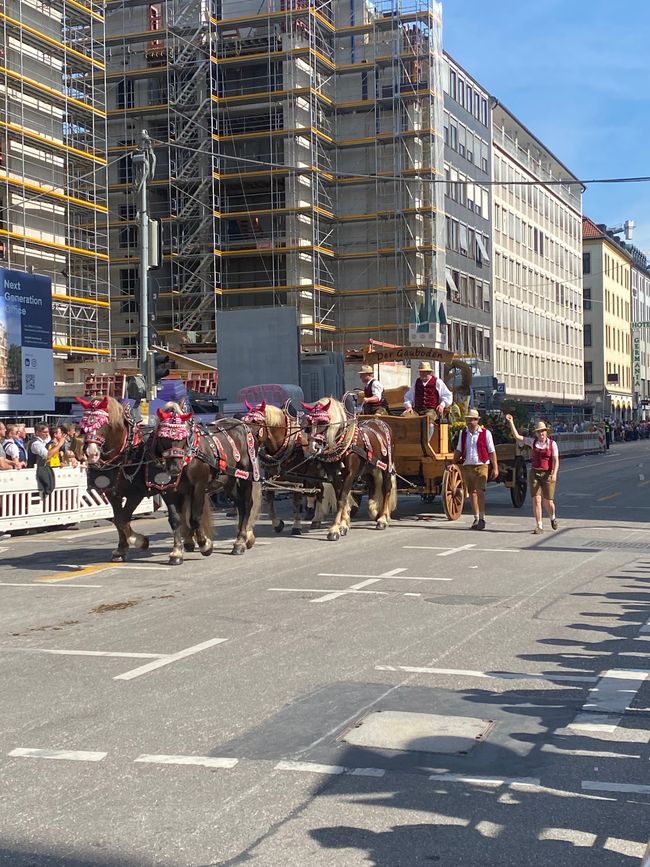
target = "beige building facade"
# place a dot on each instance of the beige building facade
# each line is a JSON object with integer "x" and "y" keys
{"x": 607, "y": 275}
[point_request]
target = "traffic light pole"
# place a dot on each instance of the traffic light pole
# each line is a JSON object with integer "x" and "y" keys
{"x": 144, "y": 165}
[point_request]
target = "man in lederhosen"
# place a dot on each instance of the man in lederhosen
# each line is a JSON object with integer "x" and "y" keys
{"x": 374, "y": 402}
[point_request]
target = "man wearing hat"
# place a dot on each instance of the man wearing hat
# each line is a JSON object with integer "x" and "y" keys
{"x": 475, "y": 452}
{"x": 545, "y": 464}
{"x": 374, "y": 401}
{"x": 428, "y": 393}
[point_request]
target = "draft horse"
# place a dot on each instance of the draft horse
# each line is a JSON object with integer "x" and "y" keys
{"x": 285, "y": 467}
{"x": 349, "y": 452}
{"x": 115, "y": 451}
{"x": 186, "y": 462}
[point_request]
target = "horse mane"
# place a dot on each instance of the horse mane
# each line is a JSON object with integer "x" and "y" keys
{"x": 338, "y": 419}
{"x": 115, "y": 410}
{"x": 274, "y": 416}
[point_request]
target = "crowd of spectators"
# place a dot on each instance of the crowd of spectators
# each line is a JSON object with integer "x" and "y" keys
{"x": 57, "y": 446}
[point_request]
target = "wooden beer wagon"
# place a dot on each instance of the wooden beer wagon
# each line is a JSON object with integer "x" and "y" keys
{"x": 424, "y": 455}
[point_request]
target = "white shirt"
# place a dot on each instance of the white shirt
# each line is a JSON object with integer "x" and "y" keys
{"x": 376, "y": 388}
{"x": 534, "y": 443}
{"x": 39, "y": 448}
{"x": 445, "y": 396}
{"x": 471, "y": 446}
{"x": 11, "y": 449}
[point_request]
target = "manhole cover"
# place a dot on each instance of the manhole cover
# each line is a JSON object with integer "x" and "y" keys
{"x": 418, "y": 732}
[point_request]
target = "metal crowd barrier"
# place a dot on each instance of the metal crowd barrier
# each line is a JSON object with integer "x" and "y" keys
{"x": 23, "y": 507}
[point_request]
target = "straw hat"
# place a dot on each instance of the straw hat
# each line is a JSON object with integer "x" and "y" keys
{"x": 366, "y": 368}
{"x": 540, "y": 426}
{"x": 472, "y": 413}
{"x": 425, "y": 366}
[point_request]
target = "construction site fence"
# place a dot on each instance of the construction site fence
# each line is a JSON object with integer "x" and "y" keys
{"x": 23, "y": 506}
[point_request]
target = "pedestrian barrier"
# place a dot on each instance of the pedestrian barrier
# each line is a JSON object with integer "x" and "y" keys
{"x": 23, "y": 507}
{"x": 573, "y": 444}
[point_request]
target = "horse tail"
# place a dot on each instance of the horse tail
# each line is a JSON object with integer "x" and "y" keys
{"x": 206, "y": 518}
{"x": 328, "y": 502}
{"x": 392, "y": 503}
{"x": 375, "y": 496}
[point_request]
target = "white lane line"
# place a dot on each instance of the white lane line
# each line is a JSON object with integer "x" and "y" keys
{"x": 70, "y": 755}
{"x": 118, "y": 654}
{"x": 598, "y": 786}
{"x": 82, "y": 534}
{"x": 593, "y": 754}
{"x": 363, "y": 584}
{"x": 645, "y": 629}
{"x": 492, "y": 675}
{"x": 454, "y": 550}
{"x": 609, "y": 700}
{"x": 205, "y": 761}
{"x": 354, "y": 587}
{"x": 325, "y": 590}
{"x": 154, "y": 567}
{"x": 391, "y": 574}
{"x": 45, "y": 584}
{"x": 494, "y": 782}
{"x": 167, "y": 660}
{"x": 315, "y": 768}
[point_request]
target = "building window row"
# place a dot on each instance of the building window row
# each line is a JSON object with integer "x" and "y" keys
{"x": 463, "y": 338}
{"x": 463, "y": 190}
{"x": 617, "y": 375}
{"x": 467, "y": 290}
{"x": 466, "y": 95}
{"x": 617, "y": 340}
{"x": 467, "y": 241}
{"x": 516, "y": 186}
{"x": 615, "y": 305}
{"x": 515, "y": 230}
{"x": 528, "y": 286}
{"x": 465, "y": 142}
{"x": 517, "y": 324}
{"x": 617, "y": 270}
{"x": 535, "y": 372}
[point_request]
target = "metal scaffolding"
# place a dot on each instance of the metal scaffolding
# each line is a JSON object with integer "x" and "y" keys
{"x": 53, "y": 196}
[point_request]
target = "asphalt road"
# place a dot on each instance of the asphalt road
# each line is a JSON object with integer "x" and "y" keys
{"x": 250, "y": 710}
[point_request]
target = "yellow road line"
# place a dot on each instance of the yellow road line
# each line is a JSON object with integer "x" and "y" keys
{"x": 609, "y": 497}
{"x": 72, "y": 574}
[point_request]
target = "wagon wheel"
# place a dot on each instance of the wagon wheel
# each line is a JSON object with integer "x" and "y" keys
{"x": 520, "y": 483}
{"x": 453, "y": 492}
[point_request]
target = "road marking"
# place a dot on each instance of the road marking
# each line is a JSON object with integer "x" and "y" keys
{"x": 494, "y": 782}
{"x": 314, "y": 768}
{"x": 205, "y": 761}
{"x": 641, "y": 477}
{"x": 111, "y": 653}
{"x": 82, "y": 534}
{"x": 74, "y": 573}
{"x": 392, "y": 574}
{"x": 492, "y": 675}
{"x": 609, "y": 497}
{"x": 70, "y": 755}
{"x": 609, "y": 700}
{"x": 324, "y": 590}
{"x": 645, "y": 629}
{"x": 455, "y": 550}
{"x": 598, "y": 786}
{"x": 42, "y": 584}
{"x": 167, "y": 660}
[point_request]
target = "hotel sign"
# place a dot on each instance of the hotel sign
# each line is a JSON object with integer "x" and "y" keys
{"x": 636, "y": 362}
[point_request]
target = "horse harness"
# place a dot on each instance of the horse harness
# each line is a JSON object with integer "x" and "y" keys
{"x": 93, "y": 420}
{"x": 348, "y": 442}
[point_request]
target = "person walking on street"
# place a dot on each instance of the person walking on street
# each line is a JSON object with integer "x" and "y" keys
{"x": 476, "y": 454}
{"x": 428, "y": 393}
{"x": 374, "y": 401}
{"x": 545, "y": 464}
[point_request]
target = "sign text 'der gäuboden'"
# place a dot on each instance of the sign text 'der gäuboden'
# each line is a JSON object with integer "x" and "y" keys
{"x": 408, "y": 353}
{"x": 26, "y": 365}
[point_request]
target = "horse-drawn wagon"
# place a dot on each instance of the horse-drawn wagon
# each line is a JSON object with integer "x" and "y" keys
{"x": 423, "y": 450}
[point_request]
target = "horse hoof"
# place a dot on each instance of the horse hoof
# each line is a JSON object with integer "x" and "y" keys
{"x": 250, "y": 543}
{"x": 316, "y": 525}
{"x": 145, "y": 543}
{"x": 238, "y": 549}
{"x": 206, "y": 552}
{"x": 380, "y": 525}
{"x": 279, "y": 527}
{"x": 296, "y": 531}
{"x": 333, "y": 537}
{"x": 189, "y": 547}
{"x": 175, "y": 560}
{"x": 344, "y": 531}
{"x": 116, "y": 557}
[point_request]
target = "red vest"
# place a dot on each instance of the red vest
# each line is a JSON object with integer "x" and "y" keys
{"x": 481, "y": 445}
{"x": 543, "y": 458}
{"x": 426, "y": 396}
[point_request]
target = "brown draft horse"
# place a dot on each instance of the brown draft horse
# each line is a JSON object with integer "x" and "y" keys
{"x": 185, "y": 462}
{"x": 281, "y": 455}
{"x": 350, "y": 451}
{"x": 115, "y": 452}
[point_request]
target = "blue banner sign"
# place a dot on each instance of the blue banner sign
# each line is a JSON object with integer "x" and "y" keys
{"x": 26, "y": 363}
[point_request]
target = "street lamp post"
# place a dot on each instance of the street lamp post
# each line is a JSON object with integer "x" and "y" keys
{"x": 144, "y": 167}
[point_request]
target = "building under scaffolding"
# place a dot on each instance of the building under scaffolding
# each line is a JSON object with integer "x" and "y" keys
{"x": 53, "y": 195}
{"x": 297, "y": 143}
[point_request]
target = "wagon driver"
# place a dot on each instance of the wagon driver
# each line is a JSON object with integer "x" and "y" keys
{"x": 476, "y": 453}
{"x": 545, "y": 464}
{"x": 374, "y": 402}
{"x": 428, "y": 393}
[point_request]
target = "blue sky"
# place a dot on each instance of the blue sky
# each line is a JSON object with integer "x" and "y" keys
{"x": 577, "y": 74}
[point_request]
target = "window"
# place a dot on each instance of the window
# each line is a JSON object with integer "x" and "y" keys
{"x": 586, "y": 263}
{"x": 125, "y": 94}
{"x": 452, "y": 83}
{"x": 586, "y": 299}
{"x": 586, "y": 335}
{"x": 453, "y": 134}
{"x": 461, "y": 91}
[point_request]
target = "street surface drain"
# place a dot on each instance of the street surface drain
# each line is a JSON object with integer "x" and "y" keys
{"x": 418, "y": 732}
{"x": 625, "y": 546}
